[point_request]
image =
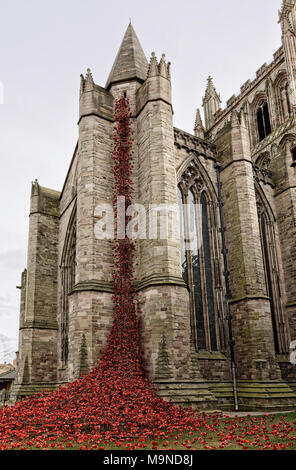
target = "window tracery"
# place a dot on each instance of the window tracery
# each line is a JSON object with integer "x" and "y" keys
{"x": 200, "y": 260}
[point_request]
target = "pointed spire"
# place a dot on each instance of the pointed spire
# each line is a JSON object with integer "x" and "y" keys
{"x": 211, "y": 90}
{"x": 211, "y": 103}
{"x": 199, "y": 130}
{"x": 130, "y": 62}
{"x": 286, "y": 17}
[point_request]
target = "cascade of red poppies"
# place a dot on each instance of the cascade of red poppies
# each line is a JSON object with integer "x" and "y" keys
{"x": 115, "y": 398}
{"x": 124, "y": 344}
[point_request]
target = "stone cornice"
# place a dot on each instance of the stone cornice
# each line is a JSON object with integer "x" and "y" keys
{"x": 194, "y": 144}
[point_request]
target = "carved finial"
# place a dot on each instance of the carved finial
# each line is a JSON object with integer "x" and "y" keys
{"x": 82, "y": 84}
{"x": 210, "y": 85}
{"x": 153, "y": 66}
{"x": 89, "y": 81}
{"x": 169, "y": 70}
{"x": 163, "y": 67}
{"x": 211, "y": 90}
{"x": 35, "y": 188}
{"x": 199, "y": 130}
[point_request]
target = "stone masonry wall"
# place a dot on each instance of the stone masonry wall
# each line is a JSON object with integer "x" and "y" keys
{"x": 38, "y": 328}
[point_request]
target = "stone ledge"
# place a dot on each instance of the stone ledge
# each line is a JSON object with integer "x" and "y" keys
{"x": 92, "y": 285}
{"x": 248, "y": 297}
{"x": 262, "y": 395}
{"x": 160, "y": 280}
{"x": 106, "y": 286}
{"x": 24, "y": 390}
{"x": 265, "y": 389}
{"x": 39, "y": 325}
{"x": 96, "y": 114}
{"x": 187, "y": 393}
{"x": 290, "y": 304}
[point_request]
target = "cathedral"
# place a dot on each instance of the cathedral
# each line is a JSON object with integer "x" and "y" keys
{"x": 218, "y": 319}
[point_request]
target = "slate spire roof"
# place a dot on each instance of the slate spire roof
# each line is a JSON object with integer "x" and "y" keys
{"x": 130, "y": 61}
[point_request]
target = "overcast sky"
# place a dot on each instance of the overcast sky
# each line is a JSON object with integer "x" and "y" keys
{"x": 46, "y": 45}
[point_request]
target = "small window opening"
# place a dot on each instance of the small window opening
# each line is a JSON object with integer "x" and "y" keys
{"x": 263, "y": 120}
{"x": 293, "y": 152}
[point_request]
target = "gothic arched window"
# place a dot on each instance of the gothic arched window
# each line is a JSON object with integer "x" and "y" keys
{"x": 272, "y": 277}
{"x": 208, "y": 272}
{"x": 68, "y": 272}
{"x": 263, "y": 120}
{"x": 199, "y": 263}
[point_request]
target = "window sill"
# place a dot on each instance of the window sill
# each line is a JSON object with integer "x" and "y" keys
{"x": 282, "y": 358}
{"x": 212, "y": 356}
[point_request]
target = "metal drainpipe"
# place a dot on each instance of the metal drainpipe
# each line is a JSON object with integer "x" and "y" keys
{"x": 224, "y": 251}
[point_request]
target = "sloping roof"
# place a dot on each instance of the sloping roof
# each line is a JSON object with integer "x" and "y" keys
{"x": 5, "y": 367}
{"x": 8, "y": 375}
{"x": 130, "y": 61}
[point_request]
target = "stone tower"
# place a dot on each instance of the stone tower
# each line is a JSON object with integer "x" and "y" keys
{"x": 66, "y": 295}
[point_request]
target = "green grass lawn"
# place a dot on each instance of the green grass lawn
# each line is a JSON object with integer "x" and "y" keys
{"x": 272, "y": 432}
